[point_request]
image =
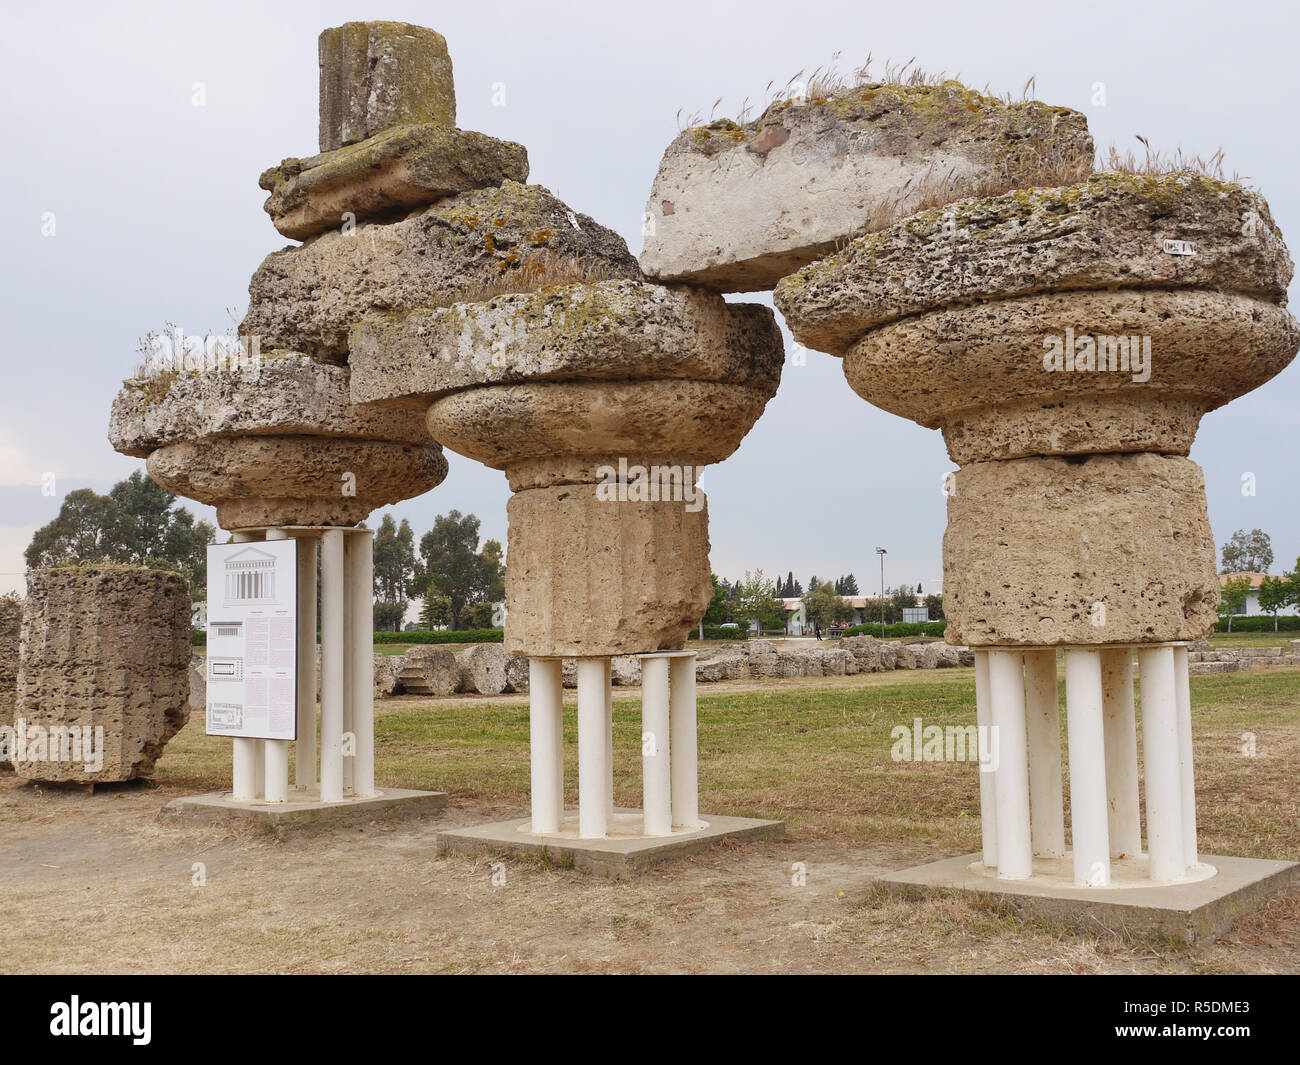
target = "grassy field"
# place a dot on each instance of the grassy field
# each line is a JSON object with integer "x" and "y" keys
{"x": 98, "y": 884}
{"x": 819, "y": 756}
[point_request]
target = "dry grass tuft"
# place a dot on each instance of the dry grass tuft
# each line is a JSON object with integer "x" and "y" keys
{"x": 1159, "y": 164}
{"x": 537, "y": 273}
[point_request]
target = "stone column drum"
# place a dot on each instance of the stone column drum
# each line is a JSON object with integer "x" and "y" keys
{"x": 104, "y": 678}
{"x": 601, "y": 402}
{"x": 1067, "y": 342}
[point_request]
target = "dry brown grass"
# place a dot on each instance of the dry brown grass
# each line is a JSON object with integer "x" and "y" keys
{"x": 1153, "y": 163}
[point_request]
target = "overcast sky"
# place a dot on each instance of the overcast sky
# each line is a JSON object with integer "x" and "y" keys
{"x": 157, "y": 214}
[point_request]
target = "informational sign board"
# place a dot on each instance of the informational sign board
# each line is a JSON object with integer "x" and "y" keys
{"x": 252, "y": 661}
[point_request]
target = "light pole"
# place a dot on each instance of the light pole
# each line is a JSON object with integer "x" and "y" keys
{"x": 882, "y": 553}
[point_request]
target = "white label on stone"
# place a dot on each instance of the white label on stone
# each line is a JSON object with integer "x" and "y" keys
{"x": 1180, "y": 247}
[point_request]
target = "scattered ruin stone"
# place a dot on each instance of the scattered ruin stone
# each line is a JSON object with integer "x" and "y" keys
{"x": 307, "y": 298}
{"x": 625, "y": 671}
{"x": 385, "y": 177}
{"x": 516, "y": 673}
{"x": 104, "y": 647}
{"x": 737, "y": 208}
{"x": 430, "y": 670}
{"x": 1115, "y": 549}
{"x": 482, "y": 669}
{"x": 374, "y": 75}
{"x": 388, "y": 672}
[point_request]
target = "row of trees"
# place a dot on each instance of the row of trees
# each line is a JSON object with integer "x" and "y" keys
{"x": 458, "y": 580}
{"x": 137, "y": 523}
{"x": 757, "y": 598}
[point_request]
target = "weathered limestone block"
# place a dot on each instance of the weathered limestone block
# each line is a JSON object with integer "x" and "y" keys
{"x": 284, "y": 394}
{"x": 517, "y": 673}
{"x": 589, "y": 576}
{"x": 1106, "y": 233}
{"x": 388, "y": 673}
{"x": 386, "y": 177}
{"x": 865, "y": 651}
{"x": 983, "y": 344}
{"x": 104, "y": 647}
{"x": 1111, "y": 549}
{"x": 11, "y": 623}
{"x": 308, "y": 298}
{"x": 737, "y": 208}
{"x": 430, "y": 670}
{"x": 566, "y": 432}
{"x": 276, "y": 443}
{"x": 268, "y": 481}
{"x": 607, "y": 331}
{"x": 482, "y": 669}
{"x": 374, "y": 75}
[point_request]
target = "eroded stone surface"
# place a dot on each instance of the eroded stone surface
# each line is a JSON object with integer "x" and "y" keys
{"x": 11, "y": 623}
{"x": 1111, "y": 549}
{"x": 594, "y": 577}
{"x": 374, "y": 75}
{"x": 986, "y": 373}
{"x": 482, "y": 669}
{"x": 308, "y": 298}
{"x": 388, "y": 673}
{"x": 1104, "y": 233}
{"x": 269, "y": 481}
{"x": 564, "y": 432}
{"x": 385, "y": 177}
{"x": 739, "y": 207}
{"x": 103, "y": 646}
{"x": 430, "y": 670}
{"x": 285, "y": 394}
{"x": 610, "y": 330}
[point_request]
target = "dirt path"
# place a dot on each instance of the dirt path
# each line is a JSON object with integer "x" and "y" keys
{"x": 101, "y": 886}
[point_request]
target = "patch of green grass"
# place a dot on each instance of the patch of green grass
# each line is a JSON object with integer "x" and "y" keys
{"x": 819, "y": 756}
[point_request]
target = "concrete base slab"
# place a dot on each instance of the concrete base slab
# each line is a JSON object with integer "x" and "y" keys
{"x": 622, "y": 852}
{"x": 304, "y": 808}
{"x": 1201, "y": 908}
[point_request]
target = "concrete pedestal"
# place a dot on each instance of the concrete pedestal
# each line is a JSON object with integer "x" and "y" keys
{"x": 304, "y": 808}
{"x": 1216, "y": 892}
{"x": 624, "y": 850}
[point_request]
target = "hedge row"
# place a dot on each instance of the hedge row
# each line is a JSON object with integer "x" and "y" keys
{"x": 1260, "y": 623}
{"x": 898, "y": 628}
{"x": 442, "y": 636}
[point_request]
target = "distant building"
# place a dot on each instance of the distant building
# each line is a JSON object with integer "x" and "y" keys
{"x": 796, "y": 618}
{"x": 1252, "y": 596}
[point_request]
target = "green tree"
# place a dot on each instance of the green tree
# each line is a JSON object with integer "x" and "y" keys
{"x": 137, "y": 523}
{"x": 1247, "y": 552}
{"x": 395, "y": 569}
{"x": 454, "y": 566}
{"x": 478, "y": 616}
{"x": 756, "y": 601}
{"x": 388, "y": 616}
{"x": 847, "y": 585}
{"x": 1274, "y": 594}
{"x": 934, "y": 603}
{"x": 1232, "y": 599}
{"x": 435, "y": 612}
{"x": 718, "y": 611}
{"x": 824, "y": 606}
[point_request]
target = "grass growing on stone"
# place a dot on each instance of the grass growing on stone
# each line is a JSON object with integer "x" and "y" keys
{"x": 817, "y": 753}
